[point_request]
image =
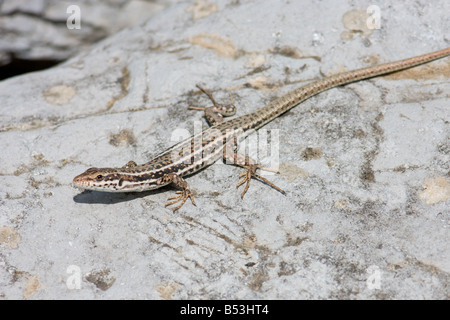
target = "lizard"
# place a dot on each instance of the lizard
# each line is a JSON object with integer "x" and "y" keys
{"x": 220, "y": 140}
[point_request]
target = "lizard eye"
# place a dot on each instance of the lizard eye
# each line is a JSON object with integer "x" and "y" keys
{"x": 99, "y": 177}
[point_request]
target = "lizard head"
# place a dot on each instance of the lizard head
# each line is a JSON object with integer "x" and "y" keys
{"x": 102, "y": 179}
{"x": 125, "y": 179}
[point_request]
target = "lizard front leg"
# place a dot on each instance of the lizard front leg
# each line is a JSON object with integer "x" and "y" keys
{"x": 183, "y": 194}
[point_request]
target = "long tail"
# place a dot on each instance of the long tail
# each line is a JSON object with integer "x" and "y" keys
{"x": 290, "y": 100}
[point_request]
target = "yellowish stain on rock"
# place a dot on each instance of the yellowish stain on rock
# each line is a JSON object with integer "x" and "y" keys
{"x": 255, "y": 61}
{"x": 259, "y": 82}
{"x": 124, "y": 137}
{"x": 355, "y": 21}
{"x": 32, "y": 285}
{"x": 436, "y": 70}
{"x": 9, "y": 238}
{"x": 202, "y": 9}
{"x": 292, "y": 172}
{"x": 341, "y": 204}
{"x": 166, "y": 289}
{"x": 124, "y": 81}
{"x": 249, "y": 242}
{"x": 435, "y": 190}
{"x": 288, "y": 51}
{"x": 221, "y": 46}
{"x": 59, "y": 95}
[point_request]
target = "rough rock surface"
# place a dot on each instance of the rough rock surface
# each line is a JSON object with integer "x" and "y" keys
{"x": 365, "y": 166}
{"x": 38, "y": 30}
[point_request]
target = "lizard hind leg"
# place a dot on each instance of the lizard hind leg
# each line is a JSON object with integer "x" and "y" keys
{"x": 251, "y": 173}
{"x": 217, "y": 112}
{"x": 251, "y": 166}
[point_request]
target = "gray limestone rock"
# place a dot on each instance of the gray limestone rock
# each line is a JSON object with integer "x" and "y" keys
{"x": 365, "y": 166}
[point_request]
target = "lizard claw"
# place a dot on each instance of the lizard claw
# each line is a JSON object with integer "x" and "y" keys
{"x": 251, "y": 173}
{"x": 183, "y": 195}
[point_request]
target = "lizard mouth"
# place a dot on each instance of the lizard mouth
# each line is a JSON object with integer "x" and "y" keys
{"x": 82, "y": 182}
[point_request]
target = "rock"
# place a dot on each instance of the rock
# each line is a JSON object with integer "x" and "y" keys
{"x": 355, "y": 223}
{"x": 36, "y": 32}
